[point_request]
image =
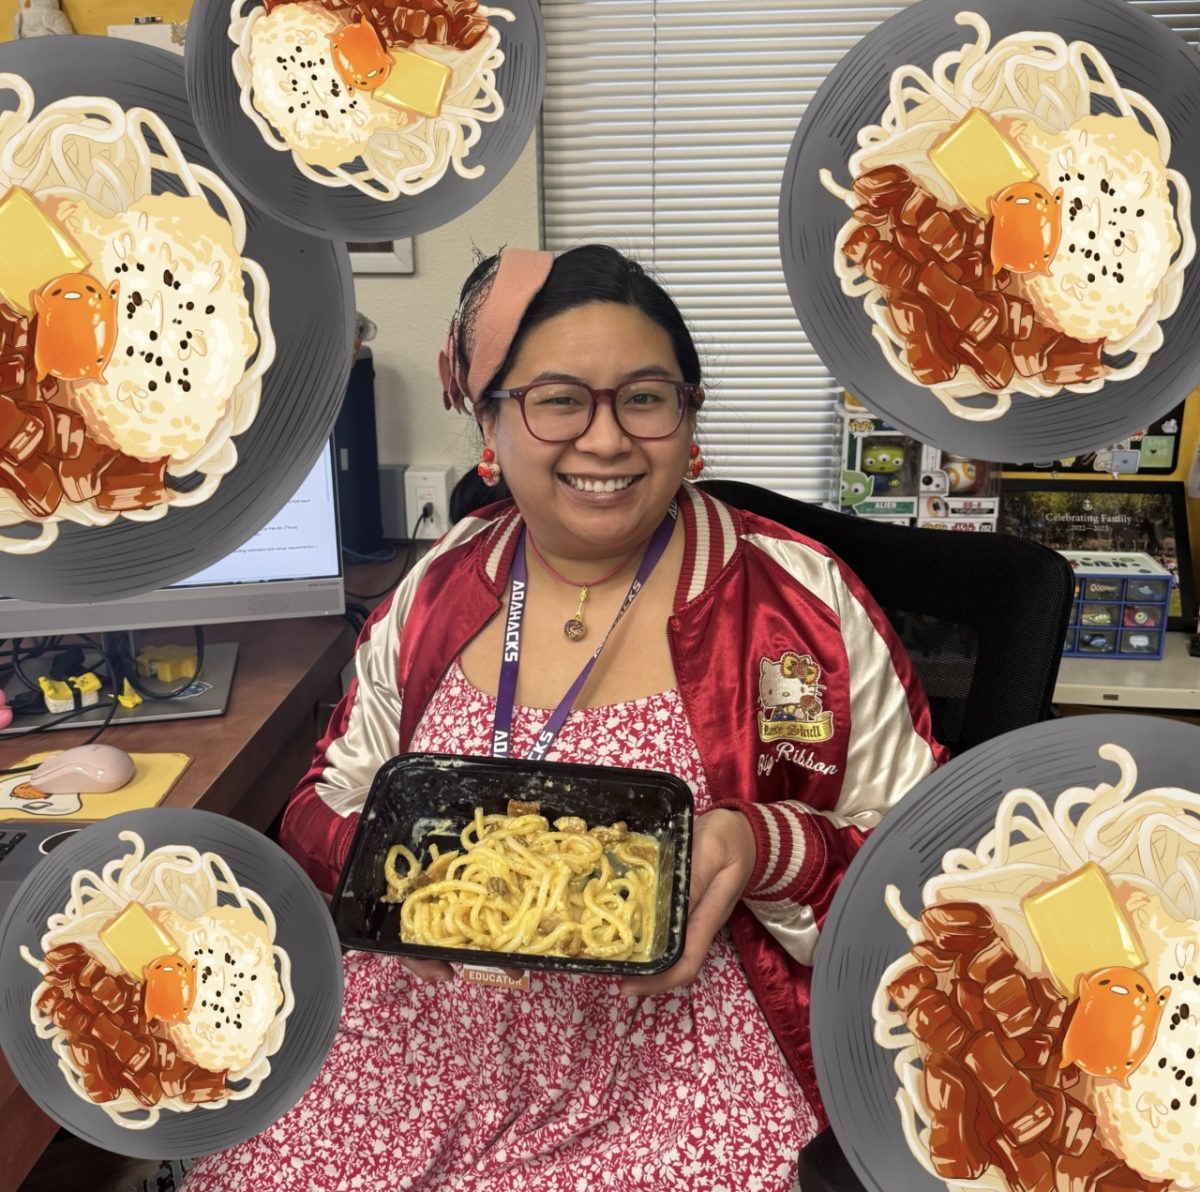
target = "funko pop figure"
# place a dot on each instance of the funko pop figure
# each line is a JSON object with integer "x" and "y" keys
{"x": 963, "y": 474}
{"x": 856, "y": 488}
{"x": 883, "y": 462}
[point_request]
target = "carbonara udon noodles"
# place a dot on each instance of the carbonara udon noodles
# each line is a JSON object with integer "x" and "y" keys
{"x": 162, "y": 986}
{"x": 520, "y": 884}
{"x": 1046, "y": 1023}
{"x": 1008, "y": 236}
{"x": 134, "y": 333}
{"x": 384, "y": 98}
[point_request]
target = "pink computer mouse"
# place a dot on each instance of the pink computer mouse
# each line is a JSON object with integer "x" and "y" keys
{"x": 86, "y": 769}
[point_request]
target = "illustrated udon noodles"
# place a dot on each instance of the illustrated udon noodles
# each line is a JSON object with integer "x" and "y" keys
{"x": 1011, "y": 233}
{"x": 384, "y": 98}
{"x": 1046, "y": 1022}
{"x": 162, "y": 985}
{"x": 134, "y": 333}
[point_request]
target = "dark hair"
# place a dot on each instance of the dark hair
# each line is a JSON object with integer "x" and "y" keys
{"x": 590, "y": 273}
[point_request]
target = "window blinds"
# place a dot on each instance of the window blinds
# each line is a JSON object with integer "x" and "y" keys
{"x": 665, "y": 130}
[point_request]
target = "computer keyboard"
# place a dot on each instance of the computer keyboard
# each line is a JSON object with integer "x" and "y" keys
{"x": 22, "y": 845}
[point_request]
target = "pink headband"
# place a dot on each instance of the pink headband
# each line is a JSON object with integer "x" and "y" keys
{"x": 519, "y": 276}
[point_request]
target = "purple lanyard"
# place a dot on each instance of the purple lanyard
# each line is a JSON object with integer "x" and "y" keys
{"x": 510, "y": 657}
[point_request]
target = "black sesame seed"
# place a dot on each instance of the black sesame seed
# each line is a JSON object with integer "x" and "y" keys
{"x": 1175, "y": 1103}
{"x": 185, "y": 386}
{"x": 129, "y": 351}
{"x": 1183, "y": 1011}
{"x": 1163, "y": 1062}
{"x": 1139, "y": 213}
{"x": 153, "y": 335}
{"x": 208, "y": 310}
{"x": 1091, "y": 277}
{"x": 152, "y": 385}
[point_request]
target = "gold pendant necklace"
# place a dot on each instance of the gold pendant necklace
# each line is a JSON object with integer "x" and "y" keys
{"x": 575, "y": 630}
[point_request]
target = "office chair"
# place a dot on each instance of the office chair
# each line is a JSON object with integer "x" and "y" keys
{"x": 983, "y": 617}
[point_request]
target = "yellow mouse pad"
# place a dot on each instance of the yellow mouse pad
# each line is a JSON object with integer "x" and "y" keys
{"x": 153, "y": 777}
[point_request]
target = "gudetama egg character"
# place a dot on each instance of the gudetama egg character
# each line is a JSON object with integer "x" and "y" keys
{"x": 170, "y": 989}
{"x": 1026, "y": 228}
{"x": 360, "y": 57}
{"x": 1114, "y": 1024}
{"x": 76, "y": 327}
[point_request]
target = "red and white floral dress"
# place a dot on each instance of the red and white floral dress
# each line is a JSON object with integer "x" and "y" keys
{"x": 568, "y": 1087}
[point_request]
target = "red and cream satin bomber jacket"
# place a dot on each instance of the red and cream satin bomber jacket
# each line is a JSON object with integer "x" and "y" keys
{"x": 802, "y": 702}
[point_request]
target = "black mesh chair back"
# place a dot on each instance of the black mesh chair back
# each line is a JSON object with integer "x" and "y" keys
{"x": 983, "y": 616}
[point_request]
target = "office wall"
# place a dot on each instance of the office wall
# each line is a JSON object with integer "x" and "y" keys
{"x": 413, "y": 312}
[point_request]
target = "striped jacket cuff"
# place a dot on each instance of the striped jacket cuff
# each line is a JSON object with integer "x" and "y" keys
{"x": 788, "y": 850}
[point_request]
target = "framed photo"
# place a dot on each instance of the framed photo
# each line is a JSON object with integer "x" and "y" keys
{"x": 382, "y": 256}
{"x": 1134, "y": 515}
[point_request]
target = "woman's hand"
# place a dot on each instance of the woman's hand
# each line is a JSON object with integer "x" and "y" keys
{"x": 428, "y": 970}
{"x": 723, "y": 855}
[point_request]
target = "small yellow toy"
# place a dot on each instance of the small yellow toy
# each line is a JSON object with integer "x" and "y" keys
{"x": 60, "y": 693}
{"x": 168, "y": 664}
{"x": 128, "y": 698}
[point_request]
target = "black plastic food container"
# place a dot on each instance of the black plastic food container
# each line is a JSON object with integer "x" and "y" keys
{"x": 420, "y": 799}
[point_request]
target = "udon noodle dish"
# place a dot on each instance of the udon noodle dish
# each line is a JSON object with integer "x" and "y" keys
{"x": 1046, "y": 1021}
{"x": 380, "y": 96}
{"x": 134, "y": 333}
{"x": 1016, "y": 226}
{"x": 162, "y": 987}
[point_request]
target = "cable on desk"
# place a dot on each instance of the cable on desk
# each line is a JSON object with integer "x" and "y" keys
{"x": 49, "y": 724}
{"x": 357, "y": 615}
{"x": 386, "y": 555}
{"x": 409, "y": 555}
{"x": 126, "y": 664}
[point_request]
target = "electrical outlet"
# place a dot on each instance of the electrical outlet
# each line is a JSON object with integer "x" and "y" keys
{"x": 428, "y": 486}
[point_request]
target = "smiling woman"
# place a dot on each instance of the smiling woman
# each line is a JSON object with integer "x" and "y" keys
{"x": 608, "y": 613}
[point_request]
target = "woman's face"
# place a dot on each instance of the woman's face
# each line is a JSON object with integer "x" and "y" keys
{"x": 602, "y": 344}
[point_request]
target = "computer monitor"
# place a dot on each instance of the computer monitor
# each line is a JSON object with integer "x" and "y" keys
{"x": 290, "y": 568}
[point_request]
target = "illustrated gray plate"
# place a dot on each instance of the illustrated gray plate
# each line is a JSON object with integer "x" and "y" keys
{"x": 303, "y": 929}
{"x": 269, "y": 177}
{"x": 953, "y": 808}
{"x": 1147, "y": 57}
{"x": 312, "y": 315}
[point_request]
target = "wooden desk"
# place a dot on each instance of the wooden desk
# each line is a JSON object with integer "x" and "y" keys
{"x": 244, "y": 764}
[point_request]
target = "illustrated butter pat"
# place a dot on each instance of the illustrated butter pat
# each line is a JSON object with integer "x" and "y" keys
{"x": 416, "y": 83}
{"x": 1079, "y": 928}
{"x": 35, "y": 250}
{"x": 978, "y": 160}
{"x": 135, "y": 940}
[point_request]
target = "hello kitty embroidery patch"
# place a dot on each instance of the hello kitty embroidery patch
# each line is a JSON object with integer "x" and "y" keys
{"x": 789, "y": 700}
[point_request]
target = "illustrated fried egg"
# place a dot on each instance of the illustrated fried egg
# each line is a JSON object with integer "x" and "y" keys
{"x": 237, "y": 988}
{"x": 184, "y": 329}
{"x": 1119, "y": 232}
{"x": 1154, "y": 1123}
{"x": 300, "y": 92}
